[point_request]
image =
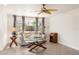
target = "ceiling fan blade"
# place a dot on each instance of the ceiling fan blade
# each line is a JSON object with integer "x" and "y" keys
{"x": 52, "y": 9}
{"x": 48, "y": 12}
{"x": 45, "y": 10}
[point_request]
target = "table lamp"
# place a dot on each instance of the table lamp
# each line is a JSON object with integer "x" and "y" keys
{"x": 14, "y": 31}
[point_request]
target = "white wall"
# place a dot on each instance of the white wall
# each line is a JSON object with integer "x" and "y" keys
{"x": 67, "y": 27}
{"x": 10, "y": 20}
{"x": 3, "y": 27}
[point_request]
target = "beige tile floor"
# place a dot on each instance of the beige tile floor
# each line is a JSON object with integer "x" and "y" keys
{"x": 52, "y": 49}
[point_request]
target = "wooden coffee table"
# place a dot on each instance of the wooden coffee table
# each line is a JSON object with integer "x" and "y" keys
{"x": 37, "y": 44}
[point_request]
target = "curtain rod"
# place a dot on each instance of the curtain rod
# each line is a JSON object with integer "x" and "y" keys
{"x": 27, "y": 16}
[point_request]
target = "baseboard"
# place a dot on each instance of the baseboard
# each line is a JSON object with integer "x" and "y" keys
{"x": 68, "y": 46}
{"x": 1, "y": 49}
{"x": 6, "y": 45}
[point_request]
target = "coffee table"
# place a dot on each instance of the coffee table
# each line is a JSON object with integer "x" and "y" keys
{"x": 37, "y": 43}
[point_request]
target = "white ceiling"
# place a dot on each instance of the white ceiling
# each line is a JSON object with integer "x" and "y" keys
{"x": 25, "y": 8}
{"x": 64, "y": 7}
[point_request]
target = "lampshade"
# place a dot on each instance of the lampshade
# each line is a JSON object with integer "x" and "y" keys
{"x": 13, "y": 29}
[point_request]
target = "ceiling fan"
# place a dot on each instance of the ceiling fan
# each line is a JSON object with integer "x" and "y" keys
{"x": 46, "y": 10}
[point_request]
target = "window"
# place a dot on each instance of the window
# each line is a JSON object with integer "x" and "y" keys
{"x": 30, "y": 24}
